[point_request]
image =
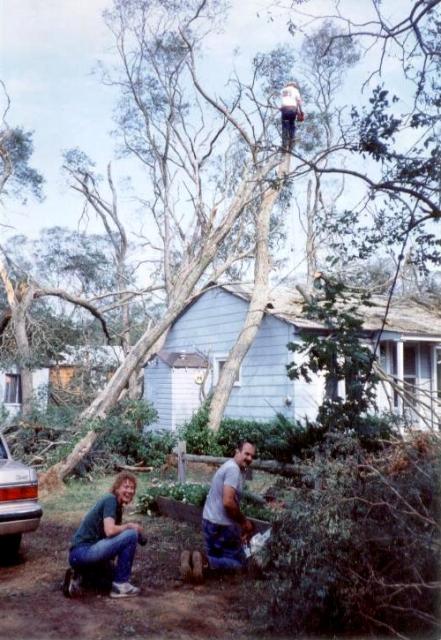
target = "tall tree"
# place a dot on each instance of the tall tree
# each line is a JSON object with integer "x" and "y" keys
{"x": 17, "y": 178}
{"x": 323, "y": 67}
{"x": 84, "y": 180}
{"x": 390, "y": 155}
{"x": 208, "y": 165}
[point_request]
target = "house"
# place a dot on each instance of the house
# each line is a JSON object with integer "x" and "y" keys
{"x": 197, "y": 345}
{"x": 10, "y": 388}
{"x": 54, "y": 378}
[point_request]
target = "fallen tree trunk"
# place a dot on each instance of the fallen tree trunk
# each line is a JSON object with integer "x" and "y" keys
{"x": 187, "y": 279}
{"x": 258, "y": 302}
{"x": 129, "y": 467}
{"x": 270, "y": 466}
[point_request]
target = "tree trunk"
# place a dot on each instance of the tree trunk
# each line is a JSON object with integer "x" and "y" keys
{"x": 187, "y": 279}
{"x": 311, "y": 232}
{"x": 24, "y": 354}
{"x": 19, "y": 300}
{"x": 256, "y": 309}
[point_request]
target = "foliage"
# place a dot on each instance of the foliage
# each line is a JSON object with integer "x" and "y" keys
{"x": 197, "y": 435}
{"x": 360, "y": 555}
{"x": 189, "y": 492}
{"x": 339, "y": 354}
{"x": 194, "y": 493}
{"x": 46, "y": 435}
{"x": 16, "y": 149}
{"x": 123, "y": 440}
{"x": 280, "y": 439}
{"x": 36, "y": 436}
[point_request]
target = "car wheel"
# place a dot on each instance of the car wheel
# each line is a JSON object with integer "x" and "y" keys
{"x": 9, "y": 546}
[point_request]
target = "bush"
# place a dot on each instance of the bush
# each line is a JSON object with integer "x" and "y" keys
{"x": 123, "y": 440}
{"x": 199, "y": 439}
{"x": 193, "y": 493}
{"x": 361, "y": 555}
{"x": 280, "y": 440}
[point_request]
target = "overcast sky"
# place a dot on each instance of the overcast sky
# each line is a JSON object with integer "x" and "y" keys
{"x": 48, "y": 50}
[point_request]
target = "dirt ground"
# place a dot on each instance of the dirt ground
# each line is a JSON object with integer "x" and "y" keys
{"x": 32, "y": 605}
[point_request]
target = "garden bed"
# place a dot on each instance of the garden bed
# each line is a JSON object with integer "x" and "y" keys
{"x": 191, "y": 513}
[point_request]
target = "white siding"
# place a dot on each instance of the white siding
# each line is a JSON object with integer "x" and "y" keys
{"x": 40, "y": 381}
{"x": 185, "y": 394}
{"x": 158, "y": 391}
{"x": 307, "y": 395}
{"x": 425, "y": 385}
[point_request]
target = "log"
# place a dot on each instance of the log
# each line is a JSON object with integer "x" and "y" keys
{"x": 270, "y": 466}
{"x": 127, "y": 467}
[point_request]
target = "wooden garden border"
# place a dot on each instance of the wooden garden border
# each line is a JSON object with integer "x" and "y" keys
{"x": 192, "y": 514}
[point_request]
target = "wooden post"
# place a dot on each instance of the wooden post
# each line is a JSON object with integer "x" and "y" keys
{"x": 182, "y": 462}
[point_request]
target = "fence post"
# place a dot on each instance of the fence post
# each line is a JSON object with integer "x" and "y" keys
{"x": 182, "y": 461}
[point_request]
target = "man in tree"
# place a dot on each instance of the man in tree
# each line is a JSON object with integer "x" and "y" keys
{"x": 102, "y": 537}
{"x": 225, "y": 528}
{"x": 291, "y": 109}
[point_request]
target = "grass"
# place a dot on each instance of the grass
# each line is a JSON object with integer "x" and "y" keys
{"x": 81, "y": 493}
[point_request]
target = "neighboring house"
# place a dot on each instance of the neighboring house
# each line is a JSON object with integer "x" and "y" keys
{"x": 10, "y": 387}
{"x": 56, "y": 377}
{"x": 199, "y": 341}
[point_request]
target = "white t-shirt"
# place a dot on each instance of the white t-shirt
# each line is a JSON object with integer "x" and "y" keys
{"x": 229, "y": 473}
{"x": 290, "y": 97}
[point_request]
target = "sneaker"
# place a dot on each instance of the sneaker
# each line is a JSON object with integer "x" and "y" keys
{"x": 72, "y": 584}
{"x": 123, "y": 590}
{"x": 197, "y": 562}
{"x": 185, "y": 566}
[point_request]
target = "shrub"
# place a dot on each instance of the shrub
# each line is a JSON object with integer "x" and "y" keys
{"x": 191, "y": 493}
{"x": 199, "y": 439}
{"x": 361, "y": 555}
{"x": 281, "y": 439}
{"x": 234, "y": 430}
{"x": 284, "y": 440}
{"x": 123, "y": 440}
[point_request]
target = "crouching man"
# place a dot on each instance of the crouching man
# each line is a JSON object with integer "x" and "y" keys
{"x": 102, "y": 543}
{"x": 224, "y": 526}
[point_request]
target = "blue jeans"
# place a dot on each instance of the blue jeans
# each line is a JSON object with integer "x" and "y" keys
{"x": 223, "y": 546}
{"x": 121, "y": 546}
{"x": 288, "y": 126}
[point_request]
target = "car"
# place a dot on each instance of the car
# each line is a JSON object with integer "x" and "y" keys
{"x": 20, "y": 510}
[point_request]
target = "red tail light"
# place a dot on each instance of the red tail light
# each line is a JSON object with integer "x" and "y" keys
{"x": 24, "y": 492}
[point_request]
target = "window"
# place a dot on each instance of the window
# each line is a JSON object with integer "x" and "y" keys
{"x": 219, "y": 363}
{"x": 12, "y": 388}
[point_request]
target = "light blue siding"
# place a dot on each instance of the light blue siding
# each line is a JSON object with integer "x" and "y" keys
{"x": 211, "y": 326}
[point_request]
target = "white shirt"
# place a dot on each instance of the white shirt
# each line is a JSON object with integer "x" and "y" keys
{"x": 290, "y": 97}
{"x": 231, "y": 474}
